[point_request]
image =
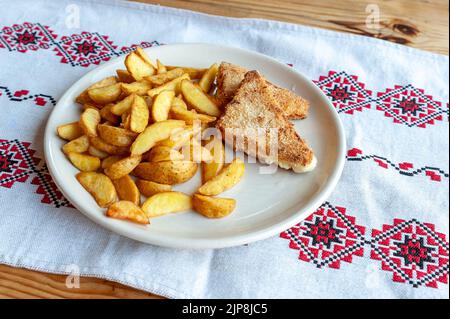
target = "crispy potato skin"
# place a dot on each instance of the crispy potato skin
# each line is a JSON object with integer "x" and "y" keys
{"x": 107, "y": 115}
{"x": 164, "y": 153}
{"x": 99, "y": 186}
{"x": 154, "y": 133}
{"x": 127, "y": 190}
{"x": 213, "y": 207}
{"x": 124, "y": 76}
{"x": 180, "y": 113}
{"x": 108, "y": 161}
{"x": 166, "y": 172}
{"x": 85, "y": 163}
{"x": 115, "y": 135}
{"x": 163, "y": 78}
{"x": 123, "y": 167}
{"x": 69, "y": 131}
{"x": 149, "y": 188}
{"x": 89, "y": 121}
{"x": 84, "y": 98}
{"x": 100, "y": 144}
{"x": 139, "y": 115}
{"x": 138, "y": 67}
{"x": 105, "y": 94}
{"x": 166, "y": 203}
{"x": 97, "y": 153}
{"x": 161, "y": 106}
{"x": 208, "y": 78}
{"x": 173, "y": 85}
{"x": 122, "y": 106}
{"x": 127, "y": 210}
{"x": 226, "y": 179}
{"x": 78, "y": 145}
{"x": 194, "y": 73}
{"x": 198, "y": 99}
{"x": 212, "y": 168}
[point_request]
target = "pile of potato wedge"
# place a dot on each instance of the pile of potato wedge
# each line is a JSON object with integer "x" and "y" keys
{"x": 132, "y": 136}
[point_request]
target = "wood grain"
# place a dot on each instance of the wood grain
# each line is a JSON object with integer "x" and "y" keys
{"x": 421, "y": 24}
{"x": 28, "y": 284}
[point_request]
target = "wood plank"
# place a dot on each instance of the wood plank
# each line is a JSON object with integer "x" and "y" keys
{"x": 23, "y": 283}
{"x": 416, "y": 23}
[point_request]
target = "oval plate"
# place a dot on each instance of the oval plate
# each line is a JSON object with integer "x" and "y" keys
{"x": 267, "y": 204}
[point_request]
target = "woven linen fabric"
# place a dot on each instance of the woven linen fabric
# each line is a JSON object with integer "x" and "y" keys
{"x": 382, "y": 234}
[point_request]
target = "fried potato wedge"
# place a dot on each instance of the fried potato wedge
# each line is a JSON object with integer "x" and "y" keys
{"x": 173, "y": 85}
{"x": 127, "y": 210}
{"x": 160, "y": 79}
{"x": 144, "y": 56}
{"x": 212, "y": 168}
{"x": 161, "y": 68}
{"x": 179, "y": 103}
{"x": 123, "y": 167}
{"x": 106, "y": 94}
{"x": 198, "y": 99}
{"x": 227, "y": 178}
{"x": 126, "y": 119}
{"x": 78, "y": 145}
{"x": 127, "y": 190}
{"x": 99, "y": 186}
{"x": 194, "y": 73}
{"x": 149, "y": 188}
{"x": 164, "y": 153}
{"x": 85, "y": 163}
{"x": 124, "y": 105}
{"x": 213, "y": 207}
{"x": 208, "y": 78}
{"x": 179, "y": 113}
{"x": 100, "y": 144}
{"x": 166, "y": 203}
{"x": 179, "y": 138}
{"x": 138, "y": 67}
{"x": 69, "y": 131}
{"x": 161, "y": 106}
{"x": 108, "y": 161}
{"x": 139, "y": 115}
{"x": 97, "y": 153}
{"x": 84, "y": 98}
{"x": 115, "y": 135}
{"x": 89, "y": 120}
{"x": 107, "y": 115}
{"x": 167, "y": 172}
{"x": 138, "y": 87}
{"x": 124, "y": 76}
{"x": 92, "y": 105}
{"x": 196, "y": 152}
{"x": 154, "y": 133}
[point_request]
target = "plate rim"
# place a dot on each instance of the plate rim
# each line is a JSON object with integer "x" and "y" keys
{"x": 201, "y": 243}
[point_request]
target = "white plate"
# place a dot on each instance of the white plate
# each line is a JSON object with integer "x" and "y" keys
{"x": 266, "y": 204}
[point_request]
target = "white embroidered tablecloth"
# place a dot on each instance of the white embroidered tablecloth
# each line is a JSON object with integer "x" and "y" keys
{"x": 383, "y": 232}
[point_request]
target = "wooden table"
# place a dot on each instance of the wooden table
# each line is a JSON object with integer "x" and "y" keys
{"x": 416, "y": 23}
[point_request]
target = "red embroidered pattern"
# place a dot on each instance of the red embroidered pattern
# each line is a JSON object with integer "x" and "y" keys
{"x": 407, "y": 104}
{"x": 413, "y": 251}
{"x": 18, "y": 163}
{"x": 405, "y": 168}
{"x": 327, "y": 237}
{"x": 82, "y": 49}
{"x": 24, "y": 95}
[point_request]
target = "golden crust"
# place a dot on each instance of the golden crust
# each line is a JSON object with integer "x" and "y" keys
{"x": 230, "y": 76}
{"x": 254, "y": 108}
